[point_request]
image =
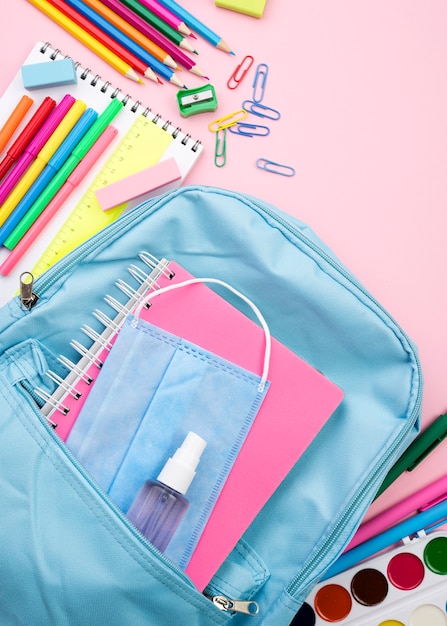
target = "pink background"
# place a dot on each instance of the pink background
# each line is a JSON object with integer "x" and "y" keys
{"x": 362, "y": 91}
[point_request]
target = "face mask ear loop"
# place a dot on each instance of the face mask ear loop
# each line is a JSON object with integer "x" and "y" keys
{"x": 216, "y": 281}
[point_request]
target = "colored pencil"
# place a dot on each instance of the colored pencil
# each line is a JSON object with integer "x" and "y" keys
{"x": 14, "y": 120}
{"x": 198, "y": 26}
{"x": 167, "y": 16}
{"x": 35, "y": 146}
{"x": 165, "y": 30}
{"x": 145, "y": 28}
{"x": 125, "y": 41}
{"x": 74, "y": 159}
{"x": 105, "y": 39}
{"x": 132, "y": 32}
{"x": 78, "y": 33}
{"x": 56, "y": 203}
{"x": 18, "y": 147}
{"x": 44, "y": 155}
{"x": 50, "y": 170}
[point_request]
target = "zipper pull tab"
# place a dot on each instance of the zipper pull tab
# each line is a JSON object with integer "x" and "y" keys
{"x": 249, "y": 607}
{"x": 27, "y": 297}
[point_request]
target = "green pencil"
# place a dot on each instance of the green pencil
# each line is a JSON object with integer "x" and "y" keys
{"x": 57, "y": 182}
{"x": 154, "y": 21}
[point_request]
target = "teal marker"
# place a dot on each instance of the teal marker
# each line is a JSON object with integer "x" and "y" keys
{"x": 58, "y": 181}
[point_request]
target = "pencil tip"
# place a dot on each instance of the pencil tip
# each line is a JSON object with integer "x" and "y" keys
{"x": 193, "y": 36}
{"x": 159, "y": 81}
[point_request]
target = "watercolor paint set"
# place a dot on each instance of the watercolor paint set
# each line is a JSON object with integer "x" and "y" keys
{"x": 406, "y": 586}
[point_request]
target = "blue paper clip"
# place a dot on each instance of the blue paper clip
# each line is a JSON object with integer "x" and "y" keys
{"x": 240, "y": 72}
{"x": 259, "y": 82}
{"x": 250, "y": 130}
{"x": 220, "y": 152}
{"x": 275, "y": 168}
{"x": 260, "y": 110}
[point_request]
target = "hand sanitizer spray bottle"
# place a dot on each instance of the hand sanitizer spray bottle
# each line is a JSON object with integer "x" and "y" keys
{"x": 160, "y": 504}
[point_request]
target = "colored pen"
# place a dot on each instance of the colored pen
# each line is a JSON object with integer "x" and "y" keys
{"x": 54, "y": 165}
{"x": 125, "y": 41}
{"x": 421, "y": 500}
{"x": 81, "y": 35}
{"x": 162, "y": 28}
{"x": 79, "y": 173}
{"x": 196, "y": 25}
{"x": 35, "y": 145}
{"x": 421, "y": 447}
{"x": 167, "y": 16}
{"x": 426, "y": 520}
{"x": 41, "y": 160}
{"x": 132, "y": 32}
{"x": 104, "y": 38}
{"x": 148, "y": 31}
{"x": 17, "y": 148}
{"x": 13, "y": 121}
{"x": 76, "y": 157}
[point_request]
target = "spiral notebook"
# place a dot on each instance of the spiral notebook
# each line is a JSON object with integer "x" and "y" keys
{"x": 299, "y": 401}
{"x": 144, "y": 138}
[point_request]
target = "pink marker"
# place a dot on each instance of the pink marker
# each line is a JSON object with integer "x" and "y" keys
{"x": 71, "y": 183}
{"x": 36, "y": 144}
{"x": 420, "y": 501}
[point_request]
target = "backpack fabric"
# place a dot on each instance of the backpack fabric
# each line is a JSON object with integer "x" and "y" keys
{"x": 68, "y": 556}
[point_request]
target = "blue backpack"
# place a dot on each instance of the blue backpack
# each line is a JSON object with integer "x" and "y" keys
{"x": 67, "y": 555}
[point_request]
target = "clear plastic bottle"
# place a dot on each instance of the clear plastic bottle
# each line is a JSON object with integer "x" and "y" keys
{"x": 160, "y": 504}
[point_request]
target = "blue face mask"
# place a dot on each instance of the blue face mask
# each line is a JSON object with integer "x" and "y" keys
{"x": 154, "y": 387}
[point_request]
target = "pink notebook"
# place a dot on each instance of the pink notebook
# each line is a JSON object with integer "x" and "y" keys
{"x": 299, "y": 402}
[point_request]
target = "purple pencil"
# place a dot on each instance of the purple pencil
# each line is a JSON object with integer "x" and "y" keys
{"x": 154, "y": 35}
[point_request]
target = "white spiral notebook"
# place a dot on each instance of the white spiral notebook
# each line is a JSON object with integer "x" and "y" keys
{"x": 144, "y": 138}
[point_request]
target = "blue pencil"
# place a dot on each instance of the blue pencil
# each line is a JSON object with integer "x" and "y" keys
{"x": 196, "y": 25}
{"x": 54, "y": 164}
{"x": 90, "y": 14}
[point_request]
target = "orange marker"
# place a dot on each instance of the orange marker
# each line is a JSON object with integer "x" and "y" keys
{"x": 12, "y": 123}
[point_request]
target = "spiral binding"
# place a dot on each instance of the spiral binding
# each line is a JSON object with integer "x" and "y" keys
{"x": 68, "y": 387}
{"x": 135, "y": 105}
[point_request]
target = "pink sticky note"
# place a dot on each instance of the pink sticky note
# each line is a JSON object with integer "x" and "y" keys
{"x": 138, "y": 185}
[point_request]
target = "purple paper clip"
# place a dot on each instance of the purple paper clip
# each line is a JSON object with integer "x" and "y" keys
{"x": 250, "y": 130}
{"x": 275, "y": 168}
{"x": 260, "y": 110}
{"x": 259, "y": 82}
{"x": 240, "y": 72}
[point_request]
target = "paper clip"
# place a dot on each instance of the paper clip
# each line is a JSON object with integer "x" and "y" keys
{"x": 220, "y": 152}
{"x": 260, "y": 110}
{"x": 259, "y": 82}
{"x": 250, "y": 130}
{"x": 240, "y": 72}
{"x": 275, "y": 168}
{"x": 227, "y": 120}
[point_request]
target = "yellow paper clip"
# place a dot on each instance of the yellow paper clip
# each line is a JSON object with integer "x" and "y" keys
{"x": 240, "y": 72}
{"x": 220, "y": 153}
{"x": 227, "y": 120}
{"x": 259, "y": 82}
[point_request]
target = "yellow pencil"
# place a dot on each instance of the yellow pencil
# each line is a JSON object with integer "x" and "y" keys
{"x": 49, "y": 148}
{"x": 79, "y": 33}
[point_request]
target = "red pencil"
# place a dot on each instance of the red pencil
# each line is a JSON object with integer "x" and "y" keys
{"x": 27, "y": 134}
{"x": 105, "y": 39}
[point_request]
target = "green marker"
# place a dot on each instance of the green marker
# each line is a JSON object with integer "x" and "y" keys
{"x": 58, "y": 181}
{"x": 421, "y": 447}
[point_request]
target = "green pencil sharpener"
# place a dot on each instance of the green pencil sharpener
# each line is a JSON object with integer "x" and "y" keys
{"x": 199, "y": 100}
